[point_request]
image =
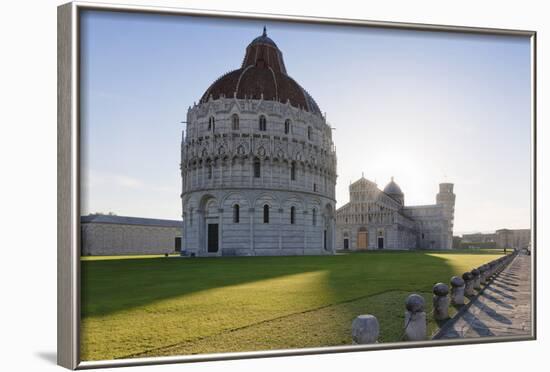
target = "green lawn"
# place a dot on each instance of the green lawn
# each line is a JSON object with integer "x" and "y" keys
{"x": 168, "y": 306}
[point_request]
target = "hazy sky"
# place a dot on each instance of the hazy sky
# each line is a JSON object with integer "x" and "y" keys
{"x": 423, "y": 107}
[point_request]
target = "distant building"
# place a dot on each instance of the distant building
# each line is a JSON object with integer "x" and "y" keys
{"x": 376, "y": 219}
{"x": 515, "y": 239}
{"x": 479, "y": 238}
{"x": 106, "y": 235}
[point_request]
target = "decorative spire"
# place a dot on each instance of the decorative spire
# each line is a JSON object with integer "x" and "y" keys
{"x": 265, "y": 31}
{"x": 392, "y": 178}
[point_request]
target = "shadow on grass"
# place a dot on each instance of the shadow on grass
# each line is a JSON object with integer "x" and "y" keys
{"x": 116, "y": 285}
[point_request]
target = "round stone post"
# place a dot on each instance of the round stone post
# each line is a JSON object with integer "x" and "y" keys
{"x": 476, "y": 279}
{"x": 441, "y": 301}
{"x": 457, "y": 290}
{"x": 482, "y": 274}
{"x": 365, "y": 329}
{"x": 487, "y": 272}
{"x": 468, "y": 283}
{"x": 415, "y": 318}
{"x": 490, "y": 267}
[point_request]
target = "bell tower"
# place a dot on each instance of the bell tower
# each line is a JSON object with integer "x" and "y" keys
{"x": 446, "y": 198}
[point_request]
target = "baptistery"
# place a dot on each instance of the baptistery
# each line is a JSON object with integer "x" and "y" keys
{"x": 258, "y": 164}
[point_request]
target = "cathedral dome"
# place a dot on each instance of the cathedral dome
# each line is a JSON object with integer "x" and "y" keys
{"x": 262, "y": 75}
{"x": 393, "y": 188}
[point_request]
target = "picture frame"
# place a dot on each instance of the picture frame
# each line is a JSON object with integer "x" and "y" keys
{"x": 69, "y": 181}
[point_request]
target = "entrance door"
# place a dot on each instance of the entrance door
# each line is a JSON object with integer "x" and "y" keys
{"x": 362, "y": 239}
{"x": 346, "y": 243}
{"x": 380, "y": 242}
{"x": 325, "y": 239}
{"x": 178, "y": 244}
{"x": 212, "y": 237}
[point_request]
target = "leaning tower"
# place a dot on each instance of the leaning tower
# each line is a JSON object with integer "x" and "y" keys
{"x": 258, "y": 164}
{"x": 446, "y": 198}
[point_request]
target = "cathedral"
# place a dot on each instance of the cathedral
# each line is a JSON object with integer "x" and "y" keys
{"x": 378, "y": 219}
{"x": 258, "y": 164}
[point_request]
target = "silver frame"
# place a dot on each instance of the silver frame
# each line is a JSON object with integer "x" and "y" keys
{"x": 68, "y": 181}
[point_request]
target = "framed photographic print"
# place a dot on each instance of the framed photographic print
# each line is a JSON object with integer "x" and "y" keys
{"x": 237, "y": 185}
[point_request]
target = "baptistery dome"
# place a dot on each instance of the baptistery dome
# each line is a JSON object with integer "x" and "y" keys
{"x": 258, "y": 164}
{"x": 262, "y": 75}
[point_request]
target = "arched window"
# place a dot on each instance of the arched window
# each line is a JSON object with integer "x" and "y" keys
{"x": 257, "y": 168}
{"x": 235, "y": 122}
{"x": 309, "y": 133}
{"x": 292, "y": 215}
{"x": 211, "y": 124}
{"x": 266, "y": 213}
{"x": 287, "y": 126}
{"x": 262, "y": 123}
{"x": 236, "y": 213}
{"x": 293, "y": 171}
{"x": 314, "y": 216}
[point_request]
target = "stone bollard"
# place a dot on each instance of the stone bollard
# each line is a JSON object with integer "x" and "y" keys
{"x": 468, "y": 283}
{"x": 490, "y": 269}
{"x": 483, "y": 274}
{"x": 441, "y": 301}
{"x": 365, "y": 329}
{"x": 476, "y": 279}
{"x": 415, "y": 318}
{"x": 457, "y": 290}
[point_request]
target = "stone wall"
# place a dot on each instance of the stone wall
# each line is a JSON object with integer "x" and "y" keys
{"x": 105, "y": 239}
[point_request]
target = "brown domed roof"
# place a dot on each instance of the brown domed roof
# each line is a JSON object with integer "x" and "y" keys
{"x": 263, "y": 72}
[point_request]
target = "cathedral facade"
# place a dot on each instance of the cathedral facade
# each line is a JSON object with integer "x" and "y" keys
{"x": 378, "y": 219}
{"x": 258, "y": 164}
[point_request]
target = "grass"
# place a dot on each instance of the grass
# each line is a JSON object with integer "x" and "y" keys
{"x": 169, "y": 306}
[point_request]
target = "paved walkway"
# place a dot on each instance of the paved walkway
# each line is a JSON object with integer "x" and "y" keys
{"x": 502, "y": 309}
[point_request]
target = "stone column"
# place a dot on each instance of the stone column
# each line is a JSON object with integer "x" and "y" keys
{"x": 468, "y": 283}
{"x": 220, "y": 232}
{"x": 305, "y": 225}
{"x": 457, "y": 290}
{"x": 280, "y": 223}
{"x": 476, "y": 279}
{"x": 251, "y": 213}
{"x": 201, "y": 232}
{"x": 415, "y": 318}
{"x": 365, "y": 329}
{"x": 184, "y": 234}
{"x": 440, "y": 301}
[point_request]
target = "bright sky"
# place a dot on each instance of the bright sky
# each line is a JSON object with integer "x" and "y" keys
{"x": 423, "y": 107}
